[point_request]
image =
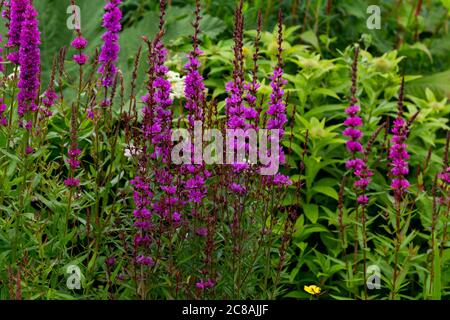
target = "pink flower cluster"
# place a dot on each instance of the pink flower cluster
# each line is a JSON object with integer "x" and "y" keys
{"x": 445, "y": 176}
{"x": 29, "y": 60}
{"x": 194, "y": 89}
{"x": 2, "y": 67}
{"x": 202, "y": 284}
{"x": 3, "y": 120}
{"x": 80, "y": 44}
{"x": 358, "y": 165}
{"x": 74, "y": 163}
{"x": 277, "y": 120}
{"x": 143, "y": 220}
{"x": 16, "y": 14}
{"x": 110, "y": 49}
{"x": 48, "y": 101}
{"x": 398, "y": 155}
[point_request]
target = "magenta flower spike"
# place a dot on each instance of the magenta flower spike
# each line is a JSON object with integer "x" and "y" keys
{"x": 356, "y": 164}
{"x": 110, "y": 50}
{"x": 29, "y": 60}
{"x": 398, "y": 153}
{"x": 276, "y": 111}
{"x": 17, "y": 16}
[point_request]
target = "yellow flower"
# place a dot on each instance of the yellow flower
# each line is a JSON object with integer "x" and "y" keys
{"x": 312, "y": 289}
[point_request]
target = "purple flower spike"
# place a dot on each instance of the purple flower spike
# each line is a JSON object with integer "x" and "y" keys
{"x": 357, "y": 165}
{"x": 110, "y": 50}
{"x": 17, "y": 18}
{"x": 72, "y": 182}
{"x": 29, "y": 59}
{"x": 3, "y": 120}
{"x": 398, "y": 153}
{"x": 79, "y": 42}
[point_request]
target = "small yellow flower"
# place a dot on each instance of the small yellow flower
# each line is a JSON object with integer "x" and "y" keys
{"x": 245, "y": 51}
{"x": 312, "y": 289}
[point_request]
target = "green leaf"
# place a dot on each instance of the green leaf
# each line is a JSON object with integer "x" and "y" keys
{"x": 311, "y": 211}
{"x": 328, "y": 191}
{"x": 311, "y": 38}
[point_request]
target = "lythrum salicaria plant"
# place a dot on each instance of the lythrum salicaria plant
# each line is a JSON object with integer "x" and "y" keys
{"x": 215, "y": 168}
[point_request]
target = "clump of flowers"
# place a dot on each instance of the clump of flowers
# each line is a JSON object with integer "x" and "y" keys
{"x": 194, "y": 92}
{"x": 29, "y": 60}
{"x": 17, "y": 16}
{"x": 234, "y": 103}
{"x": 276, "y": 111}
{"x": 143, "y": 201}
{"x": 110, "y": 49}
{"x": 3, "y": 120}
{"x": 398, "y": 153}
{"x": 6, "y": 17}
{"x": 156, "y": 129}
{"x": 445, "y": 175}
{"x": 358, "y": 165}
{"x": 50, "y": 95}
{"x": 2, "y": 67}
{"x": 80, "y": 44}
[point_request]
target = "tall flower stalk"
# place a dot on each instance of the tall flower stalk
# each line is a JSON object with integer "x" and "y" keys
{"x": 73, "y": 161}
{"x": 29, "y": 61}
{"x": 276, "y": 112}
{"x": 358, "y": 162}
{"x": 399, "y": 169}
{"x": 155, "y": 216}
{"x": 17, "y": 17}
{"x": 29, "y": 83}
{"x": 194, "y": 176}
{"x": 110, "y": 49}
{"x": 444, "y": 186}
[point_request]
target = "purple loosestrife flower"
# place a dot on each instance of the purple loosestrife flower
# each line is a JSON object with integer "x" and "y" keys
{"x": 157, "y": 133}
{"x": 48, "y": 101}
{"x": 2, "y": 67}
{"x": 3, "y": 120}
{"x": 251, "y": 113}
{"x": 50, "y": 96}
{"x": 111, "y": 261}
{"x": 235, "y": 103}
{"x": 202, "y": 284}
{"x": 444, "y": 175}
{"x": 6, "y": 13}
{"x": 71, "y": 182}
{"x": 194, "y": 91}
{"x": 237, "y": 188}
{"x": 398, "y": 155}
{"x": 110, "y": 49}
{"x": 80, "y": 44}
{"x": 162, "y": 121}
{"x": 143, "y": 197}
{"x": 143, "y": 260}
{"x": 276, "y": 111}
{"x": 143, "y": 200}
{"x": 17, "y": 17}
{"x": 74, "y": 152}
{"x": 29, "y": 60}
{"x": 80, "y": 58}
{"x": 358, "y": 166}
